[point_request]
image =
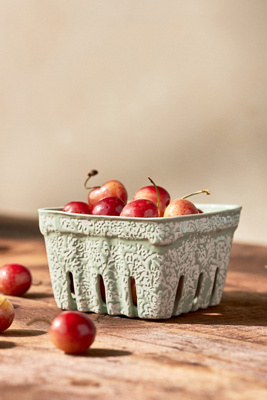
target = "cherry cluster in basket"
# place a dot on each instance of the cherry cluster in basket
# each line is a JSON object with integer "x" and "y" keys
{"x": 148, "y": 202}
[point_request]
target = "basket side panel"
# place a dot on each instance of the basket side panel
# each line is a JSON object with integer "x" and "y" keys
{"x": 58, "y": 273}
{"x": 202, "y": 261}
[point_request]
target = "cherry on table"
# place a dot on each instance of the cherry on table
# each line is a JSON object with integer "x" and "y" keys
{"x": 73, "y": 332}
{"x": 6, "y": 313}
{"x": 15, "y": 279}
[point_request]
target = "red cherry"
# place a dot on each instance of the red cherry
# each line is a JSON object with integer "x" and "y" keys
{"x": 140, "y": 208}
{"x": 6, "y": 313}
{"x": 183, "y": 206}
{"x": 108, "y": 206}
{"x": 112, "y": 188}
{"x": 150, "y": 193}
{"x": 15, "y": 279}
{"x": 78, "y": 207}
{"x": 180, "y": 207}
{"x": 73, "y": 332}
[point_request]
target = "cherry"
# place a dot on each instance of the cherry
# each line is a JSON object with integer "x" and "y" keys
{"x": 150, "y": 193}
{"x": 183, "y": 206}
{"x": 143, "y": 208}
{"x": 108, "y": 206}
{"x": 112, "y": 188}
{"x": 180, "y": 207}
{"x": 6, "y": 313}
{"x": 140, "y": 208}
{"x": 78, "y": 207}
{"x": 73, "y": 332}
{"x": 15, "y": 279}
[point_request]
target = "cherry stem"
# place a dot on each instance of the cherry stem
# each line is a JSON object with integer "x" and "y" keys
{"x": 93, "y": 172}
{"x": 157, "y": 190}
{"x": 3, "y": 300}
{"x": 198, "y": 192}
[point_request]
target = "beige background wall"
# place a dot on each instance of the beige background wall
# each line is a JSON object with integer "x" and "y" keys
{"x": 175, "y": 90}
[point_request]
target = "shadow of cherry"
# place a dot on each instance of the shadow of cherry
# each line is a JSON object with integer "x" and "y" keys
{"x": 103, "y": 353}
{"x": 34, "y": 296}
{"x": 22, "y": 333}
{"x": 6, "y": 345}
{"x": 4, "y": 247}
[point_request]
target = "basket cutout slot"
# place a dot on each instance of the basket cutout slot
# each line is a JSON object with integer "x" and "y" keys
{"x": 132, "y": 291}
{"x": 213, "y": 293}
{"x": 102, "y": 289}
{"x": 198, "y": 289}
{"x": 179, "y": 292}
{"x": 70, "y": 282}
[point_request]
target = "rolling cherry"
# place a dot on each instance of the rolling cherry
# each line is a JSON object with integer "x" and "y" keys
{"x": 108, "y": 206}
{"x": 140, "y": 208}
{"x": 77, "y": 207}
{"x": 112, "y": 188}
{"x": 150, "y": 193}
{"x": 183, "y": 206}
{"x": 73, "y": 332}
{"x": 15, "y": 279}
{"x": 6, "y": 313}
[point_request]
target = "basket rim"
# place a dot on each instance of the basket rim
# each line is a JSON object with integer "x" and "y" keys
{"x": 209, "y": 210}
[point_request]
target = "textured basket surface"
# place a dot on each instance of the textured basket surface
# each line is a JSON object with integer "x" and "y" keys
{"x": 179, "y": 264}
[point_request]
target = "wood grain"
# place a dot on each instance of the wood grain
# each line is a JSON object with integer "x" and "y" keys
{"x": 217, "y": 353}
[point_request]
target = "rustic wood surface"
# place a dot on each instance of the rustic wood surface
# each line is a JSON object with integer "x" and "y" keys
{"x": 217, "y": 353}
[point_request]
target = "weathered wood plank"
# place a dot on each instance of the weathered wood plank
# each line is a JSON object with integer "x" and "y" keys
{"x": 217, "y": 353}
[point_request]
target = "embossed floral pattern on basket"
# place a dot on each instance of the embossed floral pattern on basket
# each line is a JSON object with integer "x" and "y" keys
{"x": 179, "y": 264}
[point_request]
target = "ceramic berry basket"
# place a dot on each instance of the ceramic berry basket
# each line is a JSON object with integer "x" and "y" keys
{"x": 179, "y": 264}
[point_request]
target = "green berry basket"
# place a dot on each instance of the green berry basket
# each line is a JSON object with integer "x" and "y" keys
{"x": 179, "y": 264}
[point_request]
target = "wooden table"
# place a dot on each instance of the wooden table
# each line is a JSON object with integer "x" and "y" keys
{"x": 217, "y": 353}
